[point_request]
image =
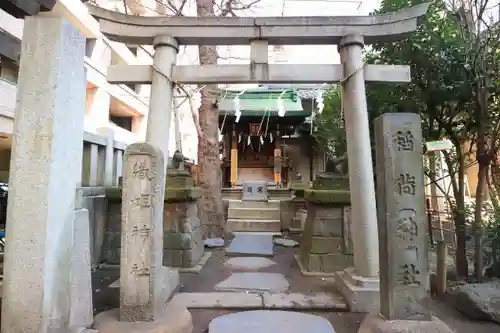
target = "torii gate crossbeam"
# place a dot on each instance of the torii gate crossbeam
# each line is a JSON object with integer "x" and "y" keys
{"x": 315, "y": 30}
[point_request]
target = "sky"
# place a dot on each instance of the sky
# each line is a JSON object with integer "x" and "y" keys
{"x": 295, "y": 54}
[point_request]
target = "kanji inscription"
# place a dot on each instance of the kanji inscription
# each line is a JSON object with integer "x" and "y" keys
{"x": 406, "y": 184}
{"x": 140, "y": 270}
{"x": 406, "y": 226}
{"x": 409, "y": 275}
{"x": 140, "y": 170}
{"x": 403, "y": 140}
{"x": 144, "y": 200}
{"x": 143, "y": 231}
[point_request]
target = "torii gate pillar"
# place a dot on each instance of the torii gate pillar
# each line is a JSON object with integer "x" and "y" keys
{"x": 162, "y": 91}
{"x": 359, "y": 285}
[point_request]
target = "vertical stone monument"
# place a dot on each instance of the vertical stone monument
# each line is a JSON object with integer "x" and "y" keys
{"x": 142, "y": 231}
{"x": 404, "y": 264}
{"x": 145, "y": 285}
{"x": 322, "y": 247}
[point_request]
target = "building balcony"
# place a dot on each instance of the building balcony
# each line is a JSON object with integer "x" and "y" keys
{"x": 119, "y": 91}
{"x": 7, "y": 98}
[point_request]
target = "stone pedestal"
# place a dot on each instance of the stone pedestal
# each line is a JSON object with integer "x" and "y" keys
{"x": 322, "y": 248}
{"x": 183, "y": 243}
{"x": 379, "y": 324}
{"x": 361, "y": 293}
{"x": 298, "y": 204}
{"x": 45, "y": 171}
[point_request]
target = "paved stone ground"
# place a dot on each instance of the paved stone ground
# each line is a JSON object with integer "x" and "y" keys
{"x": 215, "y": 271}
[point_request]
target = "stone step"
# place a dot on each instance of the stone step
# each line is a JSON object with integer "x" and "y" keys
{"x": 253, "y": 225}
{"x": 254, "y": 213}
{"x": 244, "y": 244}
{"x": 330, "y": 301}
{"x": 238, "y": 204}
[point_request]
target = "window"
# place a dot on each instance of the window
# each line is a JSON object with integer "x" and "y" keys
{"x": 278, "y": 48}
{"x": 133, "y": 49}
{"x": 9, "y": 70}
{"x": 89, "y": 47}
{"x": 122, "y": 121}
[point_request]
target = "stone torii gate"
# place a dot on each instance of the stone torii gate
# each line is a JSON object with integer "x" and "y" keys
{"x": 360, "y": 286}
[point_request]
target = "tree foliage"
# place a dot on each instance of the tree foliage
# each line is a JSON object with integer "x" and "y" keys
{"x": 450, "y": 63}
{"x": 443, "y": 90}
{"x": 329, "y": 132}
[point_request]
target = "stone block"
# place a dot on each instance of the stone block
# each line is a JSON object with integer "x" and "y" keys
{"x": 81, "y": 309}
{"x": 184, "y": 258}
{"x": 178, "y": 241}
{"x": 323, "y": 245}
{"x": 327, "y": 212}
{"x": 113, "y": 239}
{"x": 287, "y": 210}
{"x": 181, "y": 217}
{"x": 114, "y": 217}
{"x": 326, "y": 227}
{"x": 172, "y": 258}
{"x": 327, "y": 263}
{"x": 179, "y": 179}
{"x": 238, "y": 204}
{"x": 112, "y": 256}
{"x": 191, "y": 257}
{"x": 328, "y": 197}
{"x": 99, "y": 217}
{"x": 234, "y": 225}
{"x": 254, "y": 213}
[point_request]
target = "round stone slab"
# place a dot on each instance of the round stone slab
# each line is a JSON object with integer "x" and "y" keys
{"x": 214, "y": 242}
{"x": 248, "y": 263}
{"x": 266, "y": 321}
{"x": 285, "y": 242}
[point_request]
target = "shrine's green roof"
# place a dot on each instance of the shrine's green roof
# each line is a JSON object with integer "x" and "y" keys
{"x": 254, "y": 102}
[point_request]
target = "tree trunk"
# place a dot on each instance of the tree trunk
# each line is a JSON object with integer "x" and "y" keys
{"x": 477, "y": 226}
{"x": 458, "y": 211}
{"x": 210, "y": 203}
{"x": 484, "y": 161}
{"x": 461, "y": 250}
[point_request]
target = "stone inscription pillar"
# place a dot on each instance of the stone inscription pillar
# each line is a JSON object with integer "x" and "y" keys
{"x": 141, "y": 280}
{"x": 364, "y": 212}
{"x": 162, "y": 91}
{"x": 404, "y": 265}
{"x": 45, "y": 171}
